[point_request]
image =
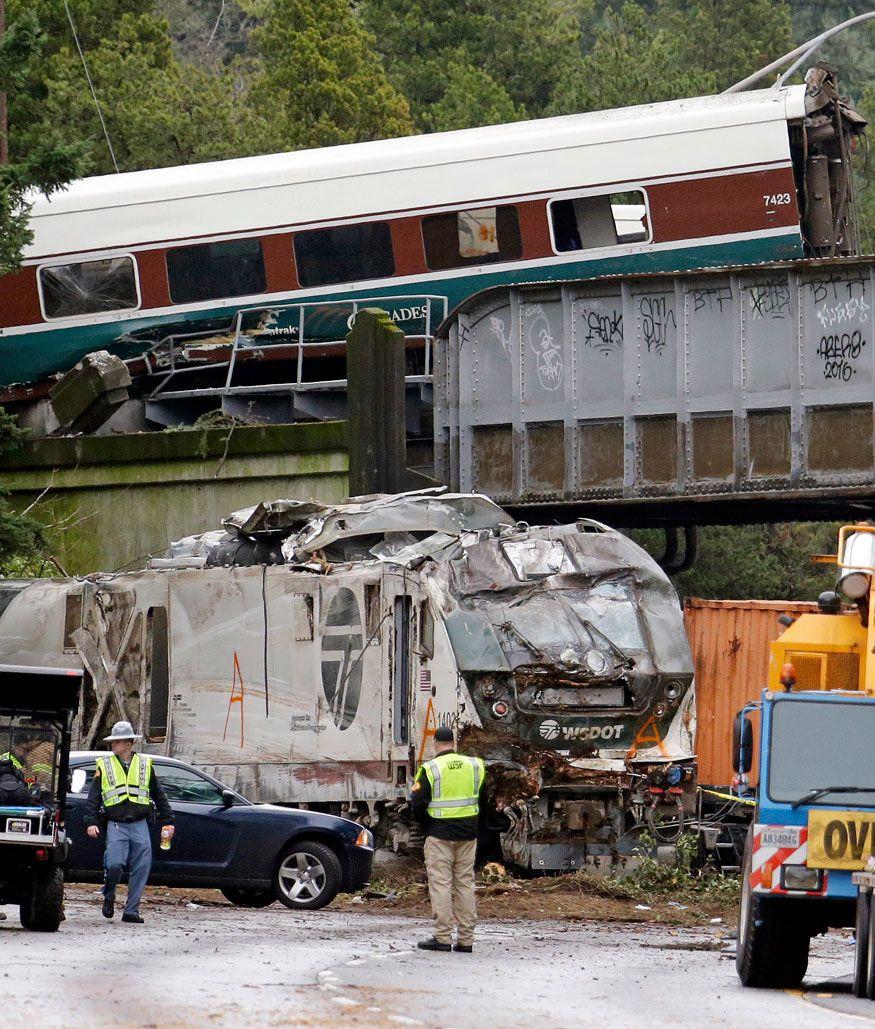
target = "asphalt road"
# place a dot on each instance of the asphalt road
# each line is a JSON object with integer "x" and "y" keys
{"x": 196, "y": 966}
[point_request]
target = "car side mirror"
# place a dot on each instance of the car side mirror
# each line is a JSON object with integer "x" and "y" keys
{"x": 228, "y": 798}
{"x": 742, "y": 743}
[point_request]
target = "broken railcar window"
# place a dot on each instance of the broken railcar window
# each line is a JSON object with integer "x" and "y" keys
{"x": 372, "y": 611}
{"x": 480, "y": 235}
{"x": 208, "y": 271}
{"x": 426, "y": 630}
{"x": 72, "y": 620}
{"x": 344, "y": 253}
{"x": 157, "y": 670}
{"x": 606, "y": 220}
{"x": 88, "y": 287}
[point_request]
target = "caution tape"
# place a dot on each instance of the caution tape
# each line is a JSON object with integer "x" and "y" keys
{"x": 728, "y": 796}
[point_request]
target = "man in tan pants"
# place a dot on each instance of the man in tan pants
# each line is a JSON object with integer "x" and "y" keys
{"x": 446, "y": 797}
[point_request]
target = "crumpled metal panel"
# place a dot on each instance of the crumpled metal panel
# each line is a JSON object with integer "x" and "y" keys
{"x": 522, "y": 575}
{"x": 424, "y": 511}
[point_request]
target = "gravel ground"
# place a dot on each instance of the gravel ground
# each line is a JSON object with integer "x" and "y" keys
{"x": 213, "y": 964}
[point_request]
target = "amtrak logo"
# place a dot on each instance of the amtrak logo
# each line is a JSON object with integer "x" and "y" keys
{"x": 341, "y": 658}
{"x": 549, "y": 729}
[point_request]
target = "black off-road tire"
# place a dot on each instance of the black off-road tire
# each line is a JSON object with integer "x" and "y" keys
{"x": 861, "y": 950}
{"x": 328, "y": 877}
{"x": 42, "y": 910}
{"x": 772, "y": 949}
{"x": 248, "y": 898}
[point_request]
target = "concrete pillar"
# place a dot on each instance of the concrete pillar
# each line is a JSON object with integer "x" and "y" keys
{"x": 375, "y": 366}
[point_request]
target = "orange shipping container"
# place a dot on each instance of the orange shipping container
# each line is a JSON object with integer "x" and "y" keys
{"x": 730, "y": 644}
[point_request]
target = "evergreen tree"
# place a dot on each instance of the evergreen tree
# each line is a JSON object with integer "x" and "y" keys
{"x": 157, "y": 111}
{"x": 513, "y": 56}
{"x": 47, "y": 166}
{"x": 317, "y": 80}
{"x": 668, "y": 49}
{"x": 768, "y": 562}
{"x": 22, "y": 539}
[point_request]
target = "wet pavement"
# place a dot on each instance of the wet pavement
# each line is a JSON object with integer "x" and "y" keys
{"x": 219, "y": 965}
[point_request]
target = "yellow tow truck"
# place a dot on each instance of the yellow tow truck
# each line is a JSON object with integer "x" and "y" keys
{"x": 814, "y": 821}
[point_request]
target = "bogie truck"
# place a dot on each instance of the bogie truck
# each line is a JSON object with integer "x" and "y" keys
{"x": 814, "y": 821}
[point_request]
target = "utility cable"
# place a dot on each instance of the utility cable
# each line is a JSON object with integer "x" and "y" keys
{"x": 91, "y": 86}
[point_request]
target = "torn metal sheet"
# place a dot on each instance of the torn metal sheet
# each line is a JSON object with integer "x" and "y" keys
{"x": 430, "y": 511}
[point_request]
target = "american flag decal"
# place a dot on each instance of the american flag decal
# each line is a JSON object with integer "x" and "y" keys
{"x": 425, "y": 680}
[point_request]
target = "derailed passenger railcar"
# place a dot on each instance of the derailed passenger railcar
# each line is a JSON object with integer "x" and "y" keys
{"x": 119, "y": 262}
{"x": 305, "y": 654}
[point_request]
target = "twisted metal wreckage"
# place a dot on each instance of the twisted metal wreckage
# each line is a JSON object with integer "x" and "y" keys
{"x": 305, "y": 654}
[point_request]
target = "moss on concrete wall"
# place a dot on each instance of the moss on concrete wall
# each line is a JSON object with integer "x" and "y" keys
{"x": 113, "y": 501}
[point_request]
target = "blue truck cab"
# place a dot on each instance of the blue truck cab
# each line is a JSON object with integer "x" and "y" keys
{"x": 813, "y": 826}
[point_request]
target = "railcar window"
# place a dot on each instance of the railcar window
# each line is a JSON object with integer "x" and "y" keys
{"x": 88, "y": 287}
{"x": 209, "y": 271}
{"x": 344, "y": 253}
{"x": 582, "y": 223}
{"x": 481, "y": 235}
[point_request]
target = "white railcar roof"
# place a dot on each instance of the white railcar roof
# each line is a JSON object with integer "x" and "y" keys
{"x": 185, "y": 201}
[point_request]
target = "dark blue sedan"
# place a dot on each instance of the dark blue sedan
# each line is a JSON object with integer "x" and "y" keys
{"x": 254, "y": 853}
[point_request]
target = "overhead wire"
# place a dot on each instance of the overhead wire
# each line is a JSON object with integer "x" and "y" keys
{"x": 91, "y": 86}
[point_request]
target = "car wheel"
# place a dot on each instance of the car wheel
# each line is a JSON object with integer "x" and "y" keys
{"x": 246, "y": 898}
{"x": 308, "y": 876}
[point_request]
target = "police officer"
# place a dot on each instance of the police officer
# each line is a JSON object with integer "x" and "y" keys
{"x": 446, "y": 797}
{"x": 125, "y": 786}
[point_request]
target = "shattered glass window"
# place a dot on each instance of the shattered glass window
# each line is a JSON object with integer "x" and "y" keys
{"x": 610, "y": 608}
{"x": 478, "y": 236}
{"x": 88, "y": 287}
{"x": 231, "y": 268}
{"x": 542, "y": 626}
{"x": 537, "y": 558}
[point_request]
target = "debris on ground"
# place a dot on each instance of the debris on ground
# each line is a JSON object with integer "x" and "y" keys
{"x": 400, "y": 886}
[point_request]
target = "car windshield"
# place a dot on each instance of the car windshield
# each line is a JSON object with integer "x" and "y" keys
{"x": 816, "y": 745}
{"x": 30, "y": 746}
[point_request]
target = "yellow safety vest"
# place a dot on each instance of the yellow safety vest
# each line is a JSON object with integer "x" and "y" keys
{"x": 455, "y": 781}
{"x": 117, "y": 787}
{"x": 15, "y": 762}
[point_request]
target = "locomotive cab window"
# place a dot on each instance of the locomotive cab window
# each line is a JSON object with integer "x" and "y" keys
{"x": 481, "y": 235}
{"x": 607, "y": 220}
{"x": 208, "y": 271}
{"x": 344, "y": 253}
{"x": 88, "y": 287}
